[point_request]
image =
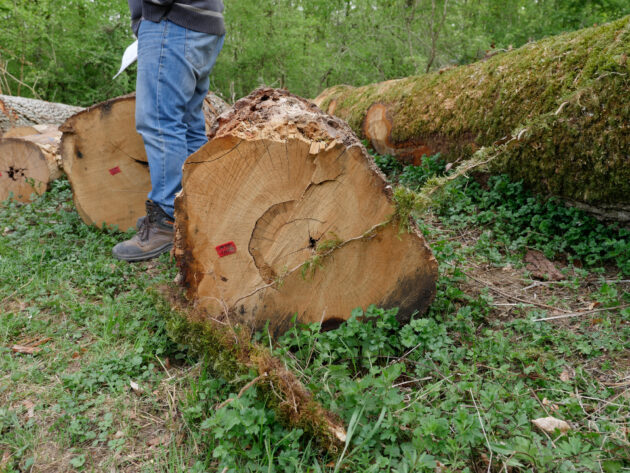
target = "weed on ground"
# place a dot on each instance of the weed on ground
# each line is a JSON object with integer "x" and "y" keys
{"x": 90, "y": 381}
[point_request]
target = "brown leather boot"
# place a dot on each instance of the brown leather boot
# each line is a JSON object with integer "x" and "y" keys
{"x": 154, "y": 237}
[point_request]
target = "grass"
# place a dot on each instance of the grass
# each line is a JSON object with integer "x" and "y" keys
{"x": 107, "y": 390}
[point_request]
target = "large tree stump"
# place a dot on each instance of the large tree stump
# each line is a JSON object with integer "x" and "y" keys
{"x": 28, "y": 164}
{"x": 284, "y": 212}
{"x": 106, "y": 164}
{"x": 20, "y": 111}
{"x": 556, "y": 113}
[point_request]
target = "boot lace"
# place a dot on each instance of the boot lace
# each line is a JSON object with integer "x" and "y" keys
{"x": 144, "y": 230}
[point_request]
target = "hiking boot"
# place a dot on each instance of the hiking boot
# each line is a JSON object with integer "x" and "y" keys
{"x": 154, "y": 237}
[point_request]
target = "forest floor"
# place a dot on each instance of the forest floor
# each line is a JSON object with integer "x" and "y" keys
{"x": 91, "y": 381}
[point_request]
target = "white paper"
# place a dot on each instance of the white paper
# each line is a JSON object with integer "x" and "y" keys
{"x": 130, "y": 55}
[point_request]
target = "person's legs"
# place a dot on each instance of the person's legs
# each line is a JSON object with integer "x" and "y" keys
{"x": 165, "y": 84}
{"x": 202, "y": 53}
{"x": 173, "y": 68}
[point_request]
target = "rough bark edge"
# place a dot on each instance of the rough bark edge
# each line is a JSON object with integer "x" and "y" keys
{"x": 230, "y": 351}
{"x": 68, "y": 125}
{"x": 23, "y": 111}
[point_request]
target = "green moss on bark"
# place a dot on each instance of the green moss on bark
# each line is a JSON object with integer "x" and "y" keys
{"x": 570, "y": 93}
{"x": 232, "y": 354}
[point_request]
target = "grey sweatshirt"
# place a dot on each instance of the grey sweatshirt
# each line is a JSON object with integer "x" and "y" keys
{"x": 198, "y": 15}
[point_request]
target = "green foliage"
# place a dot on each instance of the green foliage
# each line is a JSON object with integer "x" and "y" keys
{"x": 63, "y": 51}
{"x": 420, "y": 397}
{"x": 451, "y": 389}
{"x": 513, "y": 216}
{"x": 68, "y": 51}
{"x": 243, "y": 435}
{"x": 59, "y": 282}
{"x": 519, "y": 220}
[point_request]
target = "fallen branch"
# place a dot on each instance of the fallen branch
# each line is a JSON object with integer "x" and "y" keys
{"x": 578, "y": 314}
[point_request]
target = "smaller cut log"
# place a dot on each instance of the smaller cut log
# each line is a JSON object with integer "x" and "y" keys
{"x": 28, "y": 164}
{"x": 21, "y": 111}
{"x": 106, "y": 163}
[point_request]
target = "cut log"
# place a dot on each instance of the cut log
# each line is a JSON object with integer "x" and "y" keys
{"x": 19, "y": 131}
{"x": 556, "y": 112}
{"x": 20, "y": 111}
{"x": 106, "y": 164}
{"x": 28, "y": 164}
{"x": 284, "y": 212}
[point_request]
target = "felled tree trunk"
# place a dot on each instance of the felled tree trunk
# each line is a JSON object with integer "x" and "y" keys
{"x": 28, "y": 164}
{"x": 106, "y": 164}
{"x": 20, "y": 111}
{"x": 555, "y": 112}
{"x": 285, "y": 213}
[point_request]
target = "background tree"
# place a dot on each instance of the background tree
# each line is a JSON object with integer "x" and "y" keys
{"x": 68, "y": 51}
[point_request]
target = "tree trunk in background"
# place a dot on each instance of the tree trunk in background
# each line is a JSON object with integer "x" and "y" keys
{"x": 285, "y": 213}
{"x": 106, "y": 164}
{"x": 20, "y": 111}
{"x": 557, "y": 113}
{"x": 28, "y": 164}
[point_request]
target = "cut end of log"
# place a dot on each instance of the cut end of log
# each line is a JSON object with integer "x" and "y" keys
{"x": 106, "y": 162}
{"x": 285, "y": 213}
{"x": 377, "y": 129}
{"x": 28, "y": 164}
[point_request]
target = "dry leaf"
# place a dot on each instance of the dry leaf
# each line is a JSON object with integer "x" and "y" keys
{"x": 24, "y": 349}
{"x": 4, "y": 461}
{"x": 30, "y": 408}
{"x": 567, "y": 375}
{"x": 550, "y": 424}
{"x": 541, "y": 268}
{"x": 160, "y": 440}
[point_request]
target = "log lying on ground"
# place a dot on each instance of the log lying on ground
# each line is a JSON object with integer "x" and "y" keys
{"x": 20, "y": 111}
{"x": 556, "y": 112}
{"x": 106, "y": 164}
{"x": 28, "y": 164}
{"x": 233, "y": 355}
{"x": 284, "y": 212}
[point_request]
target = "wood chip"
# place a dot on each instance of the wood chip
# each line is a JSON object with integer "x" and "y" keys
{"x": 550, "y": 424}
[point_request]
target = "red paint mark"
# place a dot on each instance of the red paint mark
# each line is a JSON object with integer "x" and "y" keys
{"x": 114, "y": 171}
{"x": 225, "y": 249}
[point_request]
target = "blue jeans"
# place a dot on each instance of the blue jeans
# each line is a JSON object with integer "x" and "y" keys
{"x": 173, "y": 68}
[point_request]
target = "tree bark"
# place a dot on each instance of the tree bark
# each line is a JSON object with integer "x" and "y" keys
{"x": 284, "y": 213}
{"x": 106, "y": 163}
{"x": 20, "y": 111}
{"x": 28, "y": 164}
{"x": 556, "y": 113}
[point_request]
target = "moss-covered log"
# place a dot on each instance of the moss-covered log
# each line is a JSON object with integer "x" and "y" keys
{"x": 556, "y": 111}
{"x": 232, "y": 354}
